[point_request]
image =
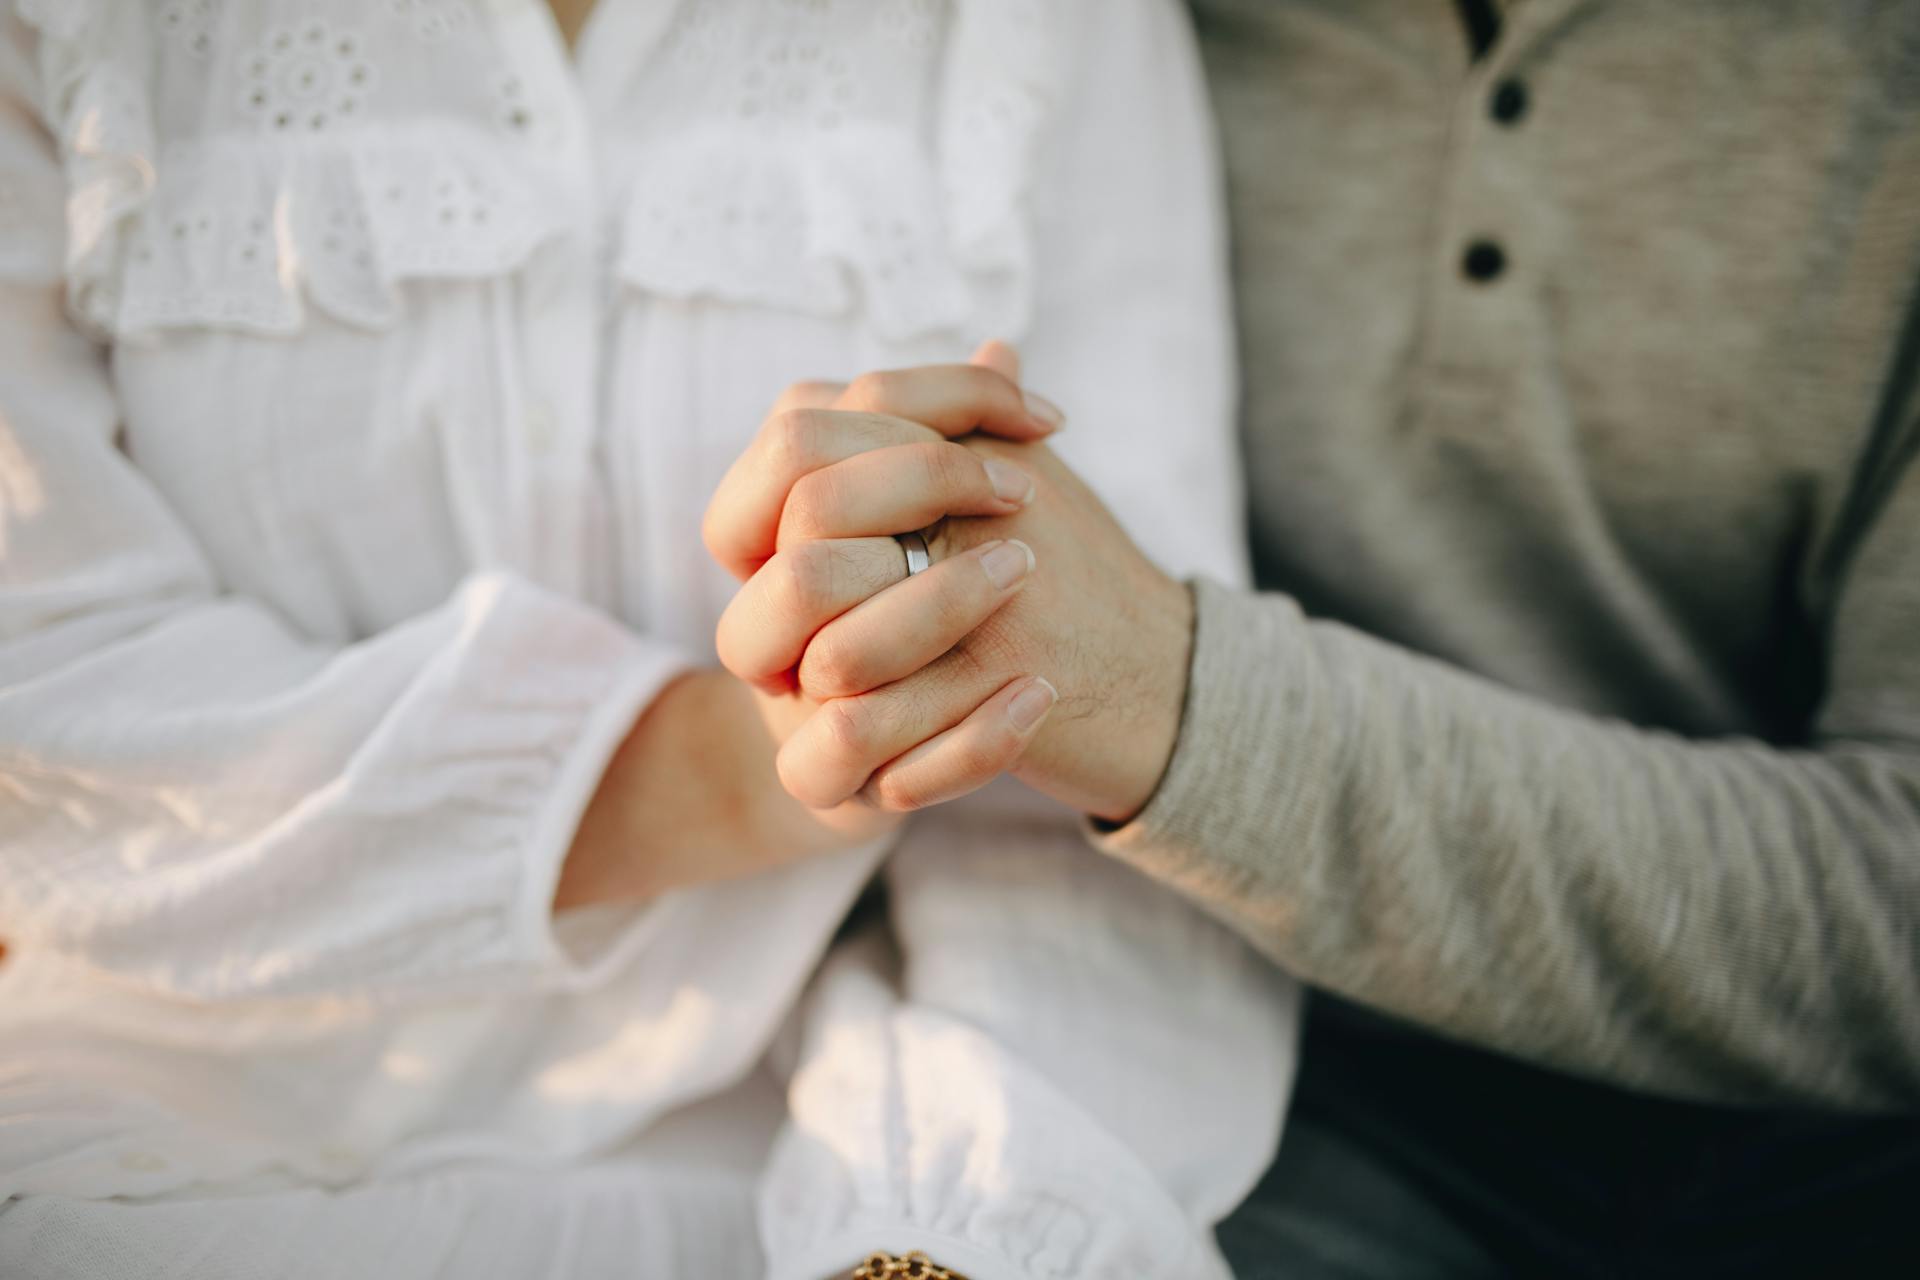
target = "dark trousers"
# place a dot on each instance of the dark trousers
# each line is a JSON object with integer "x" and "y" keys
{"x": 1411, "y": 1158}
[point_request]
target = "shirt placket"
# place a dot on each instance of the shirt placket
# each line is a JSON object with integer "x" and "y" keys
{"x": 551, "y": 349}
{"x": 1481, "y": 326}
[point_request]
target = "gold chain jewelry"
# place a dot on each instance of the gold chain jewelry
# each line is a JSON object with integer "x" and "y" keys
{"x": 915, "y": 1266}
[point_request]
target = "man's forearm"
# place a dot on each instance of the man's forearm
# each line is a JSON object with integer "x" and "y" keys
{"x": 1721, "y": 920}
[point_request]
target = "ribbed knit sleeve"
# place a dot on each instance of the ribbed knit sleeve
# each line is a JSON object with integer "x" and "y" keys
{"x": 1720, "y": 919}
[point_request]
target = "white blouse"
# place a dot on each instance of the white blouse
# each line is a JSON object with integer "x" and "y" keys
{"x": 365, "y": 366}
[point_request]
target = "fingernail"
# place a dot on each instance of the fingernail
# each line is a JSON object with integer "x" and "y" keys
{"x": 1044, "y": 409}
{"x": 1030, "y": 706}
{"x": 1010, "y": 483}
{"x": 1007, "y": 562}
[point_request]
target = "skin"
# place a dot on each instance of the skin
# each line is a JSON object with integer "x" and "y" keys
{"x": 711, "y": 783}
{"x": 570, "y": 16}
{"x": 697, "y": 791}
{"x": 694, "y": 793}
{"x": 906, "y": 676}
{"x": 692, "y": 796}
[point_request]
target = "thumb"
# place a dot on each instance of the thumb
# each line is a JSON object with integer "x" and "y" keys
{"x": 999, "y": 357}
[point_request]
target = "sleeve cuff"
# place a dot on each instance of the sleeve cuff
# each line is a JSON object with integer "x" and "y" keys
{"x": 1251, "y": 771}
{"x": 582, "y": 956}
{"x": 547, "y": 688}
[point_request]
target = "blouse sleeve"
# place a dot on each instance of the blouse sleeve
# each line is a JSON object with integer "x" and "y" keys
{"x": 196, "y": 800}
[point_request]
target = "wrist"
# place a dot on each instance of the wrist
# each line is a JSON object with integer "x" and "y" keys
{"x": 667, "y": 808}
{"x": 1107, "y": 756}
{"x": 1152, "y": 724}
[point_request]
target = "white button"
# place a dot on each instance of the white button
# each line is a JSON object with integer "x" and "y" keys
{"x": 142, "y": 1162}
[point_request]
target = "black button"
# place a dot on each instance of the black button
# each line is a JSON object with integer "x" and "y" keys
{"x": 1483, "y": 260}
{"x": 1509, "y": 101}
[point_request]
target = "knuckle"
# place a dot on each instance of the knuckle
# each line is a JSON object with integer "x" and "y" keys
{"x": 807, "y": 391}
{"x": 810, "y": 504}
{"x": 898, "y": 793}
{"x": 793, "y": 440}
{"x": 848, "y": 728}
{"x": 868, "y": 430}
{"x": 805, "y": 587}
{"x": 981, "y": 382}
{"x": 867, "y": 567}
{"x": 871, "y": 390}
{"x": 991, "y": 388}
{"x": 832, "y": 668}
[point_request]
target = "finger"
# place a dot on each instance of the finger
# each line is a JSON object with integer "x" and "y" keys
{"x": 744, "y": 515}
{"x": 908, "y": 625}
{"x": 956, "y": 400}
{"x": 968, "y": 756}
{"x": 808, "y": 395}
{"x": 999, "y": 357}
{"x": 769, "y": 621}
{"x": 833, "y": 752}
{"x": 898, "y": 490}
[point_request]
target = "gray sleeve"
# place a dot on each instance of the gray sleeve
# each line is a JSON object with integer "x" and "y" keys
{"x": 1718, "y": 919}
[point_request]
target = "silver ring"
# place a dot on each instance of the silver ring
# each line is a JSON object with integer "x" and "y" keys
{"x": 914, "y": 545}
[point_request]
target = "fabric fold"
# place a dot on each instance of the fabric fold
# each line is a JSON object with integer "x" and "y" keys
{"x": 243, "y": 230}
{"x": 921, "y": 226}
{"x": 972, "y": 1095}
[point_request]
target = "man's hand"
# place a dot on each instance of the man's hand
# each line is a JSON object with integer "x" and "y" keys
{"x": 925, "y": 687}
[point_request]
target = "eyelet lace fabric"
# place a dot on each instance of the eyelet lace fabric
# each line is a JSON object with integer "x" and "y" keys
{"x": 340, "y": 582}
{"x": 299, "y": 191}
{"x": 814, "y": 155}
{"x": 811, "y": 185}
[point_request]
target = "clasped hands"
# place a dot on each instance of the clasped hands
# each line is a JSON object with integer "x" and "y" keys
{"x": 1041, "y": 641}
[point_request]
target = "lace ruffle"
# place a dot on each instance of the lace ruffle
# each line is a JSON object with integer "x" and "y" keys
{"x": 853, "y": 220}
{"x": 921, "y": 229}
{"x": 924, "y": 236}
{"x": 239, "y": 233}
{"x": 242, "y": 231}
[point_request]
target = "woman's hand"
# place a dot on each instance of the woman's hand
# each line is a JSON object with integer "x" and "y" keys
{"x": 916, "y": 679}
{"x": 692, "y": 796}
